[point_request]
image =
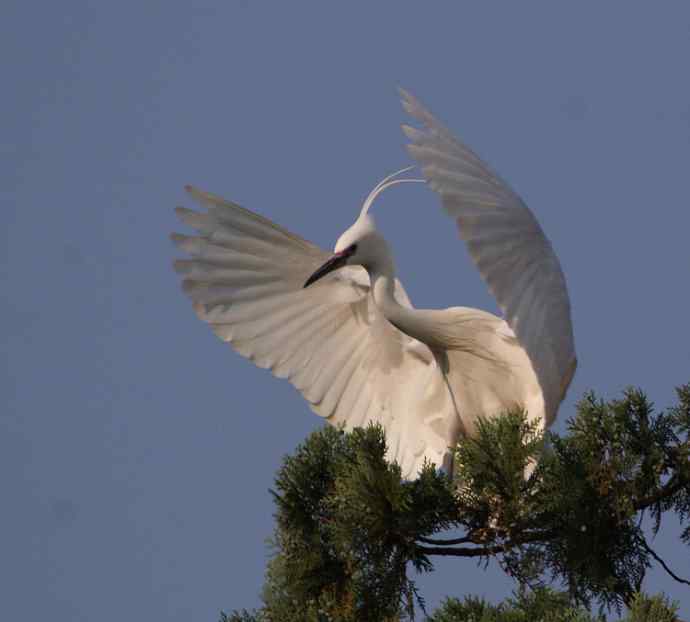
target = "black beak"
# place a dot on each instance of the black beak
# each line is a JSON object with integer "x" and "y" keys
{"x": 337, "y": 261}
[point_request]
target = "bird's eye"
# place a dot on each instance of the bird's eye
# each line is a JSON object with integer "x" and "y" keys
{"x": 352, "y": 250}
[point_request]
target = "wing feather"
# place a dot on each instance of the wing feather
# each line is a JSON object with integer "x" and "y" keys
{"x": 245, "y": 274}
{"x": 508, "y": 246}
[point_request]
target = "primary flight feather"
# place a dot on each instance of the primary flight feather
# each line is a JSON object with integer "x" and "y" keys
{"x": 339, "y": 326}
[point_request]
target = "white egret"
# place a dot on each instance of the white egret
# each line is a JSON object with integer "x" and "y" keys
{"x": 341, "y": 328}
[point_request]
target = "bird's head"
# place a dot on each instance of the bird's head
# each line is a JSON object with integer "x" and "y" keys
{"x": 360, "y": 245}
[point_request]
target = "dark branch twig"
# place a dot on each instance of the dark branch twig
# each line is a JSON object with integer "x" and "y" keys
{"x": 484, "y": 551}
{"x": 663, "y": 564}
{"x": 446, "y": 542}
{"x": 671, "y": 488}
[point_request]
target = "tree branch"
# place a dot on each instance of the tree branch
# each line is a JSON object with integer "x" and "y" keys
{"x": 484, "y": 551}
{"x": 446, "y": 542}
{"x": 671, "y": 488}
{"x": 663, "y": 564}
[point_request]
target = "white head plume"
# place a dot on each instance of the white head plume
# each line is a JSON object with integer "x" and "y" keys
{"x": 387, "y": 182}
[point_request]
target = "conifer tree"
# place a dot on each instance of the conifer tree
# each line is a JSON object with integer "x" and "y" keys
{"x": 350, "y": 532}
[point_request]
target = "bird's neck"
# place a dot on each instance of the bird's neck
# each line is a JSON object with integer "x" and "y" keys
{"x": 409, "y": 321}
{"x": 383, "y": 287}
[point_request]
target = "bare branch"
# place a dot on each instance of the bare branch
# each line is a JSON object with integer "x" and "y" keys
{"x": 446, "y": 542}
{"x": 673, "y": 485}
{"x": 484, "y": 551}
{"x": 663, "y": 564}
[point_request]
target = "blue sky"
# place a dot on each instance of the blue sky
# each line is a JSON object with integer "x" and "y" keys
{"x": 136, "y": 449}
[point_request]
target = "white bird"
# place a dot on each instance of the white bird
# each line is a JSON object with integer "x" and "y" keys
{"x": 341, "y": 328}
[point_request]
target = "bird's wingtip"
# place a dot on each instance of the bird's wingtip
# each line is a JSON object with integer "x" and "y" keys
{"x": 178, "y": 238}
{"x": 180, "y": 265}
{"x": 409, "y": 102}
{"x": 404, "y": 93}
{"x": 411, "y": 132}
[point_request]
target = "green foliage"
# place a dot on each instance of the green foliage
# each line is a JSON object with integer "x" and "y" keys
{"x": 546, "y": 605}
{"x": 490, "y": 473}
{"x": 577, "y": 519}
{"x": 349, "y": 528}
{"x": 541, "y": 605}
{"x": 655, "y": 609}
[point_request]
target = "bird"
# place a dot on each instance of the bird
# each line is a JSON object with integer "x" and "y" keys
{"x": 340, "y": 327}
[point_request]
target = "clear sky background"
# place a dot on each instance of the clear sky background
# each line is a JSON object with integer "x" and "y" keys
{"x": 136, "y": 449}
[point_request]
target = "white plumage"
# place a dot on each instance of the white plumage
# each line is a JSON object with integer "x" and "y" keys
{"x": 351, "y": 342}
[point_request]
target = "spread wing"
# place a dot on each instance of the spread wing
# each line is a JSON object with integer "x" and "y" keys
{"x": 245, "y": 276}
{"x": 508, "y": 246}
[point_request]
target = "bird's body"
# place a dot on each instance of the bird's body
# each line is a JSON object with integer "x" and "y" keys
{"x": 350, "y": 341}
